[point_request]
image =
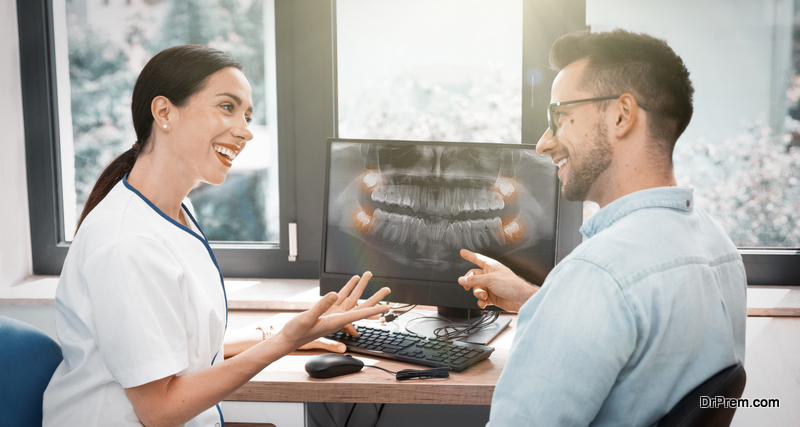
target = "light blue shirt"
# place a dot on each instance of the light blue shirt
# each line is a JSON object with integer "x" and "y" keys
{"x": 649, "y": 306}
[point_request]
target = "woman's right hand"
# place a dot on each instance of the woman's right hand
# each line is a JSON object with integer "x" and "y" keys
{"x": 335, "y": 312}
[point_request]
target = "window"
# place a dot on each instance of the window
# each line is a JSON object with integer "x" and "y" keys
{"x": 740, "y": 151}
{"x": 100, "y": 49}
{"x": 419, "y": 70}
{"x": 79, "y": 61}
{"x": 450, "y": 70}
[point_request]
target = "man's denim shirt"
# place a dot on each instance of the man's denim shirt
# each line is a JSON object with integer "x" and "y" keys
{"x": 649, "y": 306}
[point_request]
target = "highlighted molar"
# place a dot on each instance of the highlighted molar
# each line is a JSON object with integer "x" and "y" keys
{"x": 506, "y": 187}
{"x": 371, "y": 178}
{"x": 362, "y": 220}
{"x": 512, "y": 231}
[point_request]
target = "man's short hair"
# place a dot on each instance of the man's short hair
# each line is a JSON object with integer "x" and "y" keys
{"x": 644, "y": 66}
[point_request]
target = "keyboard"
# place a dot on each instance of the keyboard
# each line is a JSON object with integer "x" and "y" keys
{"x": 409, "y": 348}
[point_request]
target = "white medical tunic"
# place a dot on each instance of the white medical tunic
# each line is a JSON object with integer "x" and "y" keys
{"x": 140, "y": 298}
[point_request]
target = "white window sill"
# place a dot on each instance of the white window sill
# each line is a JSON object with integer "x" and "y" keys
{"x": 301, "y": 294}
{"x": 243, "y": 294}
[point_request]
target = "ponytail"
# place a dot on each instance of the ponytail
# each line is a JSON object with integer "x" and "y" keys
{"x": 112, "y": 174}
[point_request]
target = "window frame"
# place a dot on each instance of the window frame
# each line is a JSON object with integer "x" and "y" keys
{"x": 307, "y": 116}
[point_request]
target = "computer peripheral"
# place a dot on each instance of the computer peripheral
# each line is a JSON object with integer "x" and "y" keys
{"x": 410, "y": 348}
{"x": 333, "y": 365}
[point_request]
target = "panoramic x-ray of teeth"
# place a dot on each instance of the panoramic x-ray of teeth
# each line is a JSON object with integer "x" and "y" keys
{"x": 417, "y": 205}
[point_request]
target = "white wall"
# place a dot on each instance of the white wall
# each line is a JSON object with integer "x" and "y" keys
{"x": 15, "y": 246}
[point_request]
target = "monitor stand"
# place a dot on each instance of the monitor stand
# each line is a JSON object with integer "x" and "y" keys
{"x": 424, "y": 322}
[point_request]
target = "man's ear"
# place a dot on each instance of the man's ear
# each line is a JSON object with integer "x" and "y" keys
{"x": 162, "y": 108}
{"x": 625, "y": 115}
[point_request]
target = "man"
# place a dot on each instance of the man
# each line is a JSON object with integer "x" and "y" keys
{"x": 653, "y": 302}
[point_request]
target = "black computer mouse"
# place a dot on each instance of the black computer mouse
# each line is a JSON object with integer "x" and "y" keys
{"x": 333, "y": 365}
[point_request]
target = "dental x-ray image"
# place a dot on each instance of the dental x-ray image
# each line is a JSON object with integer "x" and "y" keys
{"x": 405, "y": 209}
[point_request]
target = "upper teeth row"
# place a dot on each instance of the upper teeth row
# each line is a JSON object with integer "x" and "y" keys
{"x": 444, "y": 201}
{"x": 562, "y": 162}
{"x": 225, "y": 152}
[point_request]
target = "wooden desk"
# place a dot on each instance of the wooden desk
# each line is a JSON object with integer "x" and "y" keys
{"x": 281, "y": 393}
{"x": 287, "y": 381}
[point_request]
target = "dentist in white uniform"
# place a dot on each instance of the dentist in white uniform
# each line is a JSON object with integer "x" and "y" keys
{"x": 141, "y": 310}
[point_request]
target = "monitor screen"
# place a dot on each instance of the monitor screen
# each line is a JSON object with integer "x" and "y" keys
{"x": 403, "y": 210}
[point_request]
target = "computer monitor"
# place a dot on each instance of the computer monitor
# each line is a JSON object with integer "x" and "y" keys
{"x": 403, "y": 210}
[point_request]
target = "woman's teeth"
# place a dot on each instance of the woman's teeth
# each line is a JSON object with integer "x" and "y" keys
{"x": 228, "y": 154}
{"x": 562, "y": 162}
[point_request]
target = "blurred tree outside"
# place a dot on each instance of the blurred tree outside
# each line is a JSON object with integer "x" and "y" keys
{"x": 749, "y": 184}
{"x": 408, "y": 108}
{"x": 101, "y": 84}
{"x": 102, "y": 79}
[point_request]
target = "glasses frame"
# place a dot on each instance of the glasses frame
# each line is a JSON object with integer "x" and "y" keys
{"x": 552, "y": 124}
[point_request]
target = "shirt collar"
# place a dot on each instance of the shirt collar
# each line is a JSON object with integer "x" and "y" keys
{"x": 681, "y": 198}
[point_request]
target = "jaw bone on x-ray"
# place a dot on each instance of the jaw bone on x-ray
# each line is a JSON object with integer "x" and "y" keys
{"x": 419, "y": 204}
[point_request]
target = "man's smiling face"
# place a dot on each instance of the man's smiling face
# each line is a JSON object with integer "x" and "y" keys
{"x": 580, "y": 147}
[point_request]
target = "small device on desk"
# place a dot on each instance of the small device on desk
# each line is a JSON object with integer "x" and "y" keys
{"x": 333, "y": 365}
{"x": 403, "y": 210}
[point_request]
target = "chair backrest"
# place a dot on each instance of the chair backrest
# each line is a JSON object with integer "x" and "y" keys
{"x": 28, "y": 358}
{"x": 728, "y": 383}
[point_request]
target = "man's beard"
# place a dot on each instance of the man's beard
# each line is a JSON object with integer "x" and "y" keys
{"x": 584, "y": 173}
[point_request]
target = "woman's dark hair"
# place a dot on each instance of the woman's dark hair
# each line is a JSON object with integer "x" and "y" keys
{"x": 176, "y": 73}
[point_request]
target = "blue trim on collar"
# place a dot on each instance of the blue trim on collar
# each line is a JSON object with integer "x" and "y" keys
{"x": 202, "y": 240}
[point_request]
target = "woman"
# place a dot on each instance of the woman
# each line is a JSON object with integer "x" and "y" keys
{"x": 140, "y": 307}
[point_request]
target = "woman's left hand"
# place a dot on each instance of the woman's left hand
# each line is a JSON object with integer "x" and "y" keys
{"x": 335, "y": 312}
{"x": 347, "y": 298}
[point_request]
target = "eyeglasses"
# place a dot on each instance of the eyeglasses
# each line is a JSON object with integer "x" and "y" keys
{"x": 552, "y": 123}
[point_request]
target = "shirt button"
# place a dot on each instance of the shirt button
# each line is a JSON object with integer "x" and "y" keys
{"x": 687, "y": 203}
{"x": 216, "y": 425}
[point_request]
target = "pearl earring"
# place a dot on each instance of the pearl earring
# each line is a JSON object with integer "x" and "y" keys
{"x": 165, "y": 126}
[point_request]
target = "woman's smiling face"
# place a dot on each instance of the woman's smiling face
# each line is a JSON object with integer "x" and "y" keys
{"x": 213, "y": 126}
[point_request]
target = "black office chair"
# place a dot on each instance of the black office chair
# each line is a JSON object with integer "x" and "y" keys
{"x": 728, "y": 382}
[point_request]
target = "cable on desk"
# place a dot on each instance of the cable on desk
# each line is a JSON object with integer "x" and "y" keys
{"x": 455, "y": 331}
{"x": 423, "y": 374}
{"x": 459, "y": 331}
{"x": 393, "y": 313}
